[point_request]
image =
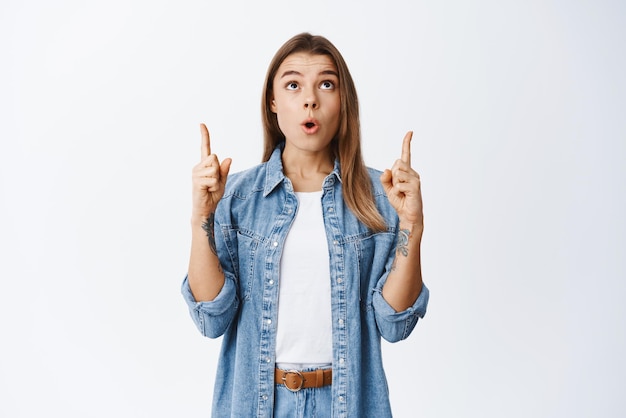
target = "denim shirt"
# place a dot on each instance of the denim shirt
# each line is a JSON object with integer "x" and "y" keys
{"x": 251, "y": 223}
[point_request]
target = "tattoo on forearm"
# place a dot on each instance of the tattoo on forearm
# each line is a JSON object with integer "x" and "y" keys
{"x": 209, "y": 227}
{"x": 403, "y": 245}
{"x": 403, "y": 242}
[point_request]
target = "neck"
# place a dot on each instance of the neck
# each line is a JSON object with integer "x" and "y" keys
{"x": 307, "y": 170}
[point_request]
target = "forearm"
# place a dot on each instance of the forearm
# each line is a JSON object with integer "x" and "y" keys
{"x": 404, "y": 283}
{"x": 205, "y": 274}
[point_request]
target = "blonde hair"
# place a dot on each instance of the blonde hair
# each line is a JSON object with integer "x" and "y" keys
{"x": 346, "y": 146}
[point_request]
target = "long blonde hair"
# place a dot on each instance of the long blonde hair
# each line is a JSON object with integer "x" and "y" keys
{"x": 346, "y": 146}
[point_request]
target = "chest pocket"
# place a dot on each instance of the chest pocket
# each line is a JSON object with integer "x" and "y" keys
{"x": 373, "y": 254}
{"x": 248, "y": 246}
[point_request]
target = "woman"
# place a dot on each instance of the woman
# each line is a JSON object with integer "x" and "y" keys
{"x": 311, "y": 256}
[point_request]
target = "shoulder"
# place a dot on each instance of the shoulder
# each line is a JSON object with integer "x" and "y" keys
{"x": 245, "y": 182}
{"x": 377, "y": 187}
{"x": 379, "y": 195}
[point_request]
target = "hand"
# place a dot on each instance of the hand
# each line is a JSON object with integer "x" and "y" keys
{"x": 402, "y": 185}
{"x": 208, "y": 179}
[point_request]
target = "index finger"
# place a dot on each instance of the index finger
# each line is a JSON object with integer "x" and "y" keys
{"x": 205, "y": 147}
{"x": 406, "y": 148}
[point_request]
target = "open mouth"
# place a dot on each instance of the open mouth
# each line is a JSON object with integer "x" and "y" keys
{"x": 310, "y": 126}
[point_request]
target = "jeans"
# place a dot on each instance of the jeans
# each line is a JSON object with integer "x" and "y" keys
{"x": 306, "y": 403}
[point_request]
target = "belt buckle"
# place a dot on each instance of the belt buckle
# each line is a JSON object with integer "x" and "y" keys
{"x": 299, "y": 374}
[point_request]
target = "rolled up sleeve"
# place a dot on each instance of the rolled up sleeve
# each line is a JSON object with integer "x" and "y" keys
{"x": 395, "y": 326}
{"x": 213, "y": 318}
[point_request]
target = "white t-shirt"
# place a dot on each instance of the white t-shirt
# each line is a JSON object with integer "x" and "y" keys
{"x": 304, "y": 329}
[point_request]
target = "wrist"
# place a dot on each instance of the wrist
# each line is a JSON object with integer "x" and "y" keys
{"x": 413, "y": 230}
{"x": 197, "y": 221}
{"x": 411, "y": 226}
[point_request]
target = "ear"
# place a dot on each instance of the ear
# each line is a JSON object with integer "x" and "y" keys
{"x": 273, "y": 105}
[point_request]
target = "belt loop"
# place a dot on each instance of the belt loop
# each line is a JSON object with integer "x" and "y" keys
{"x": 319, "y": 377}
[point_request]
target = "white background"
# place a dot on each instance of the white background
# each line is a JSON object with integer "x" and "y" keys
{"x": 518, "y": 109}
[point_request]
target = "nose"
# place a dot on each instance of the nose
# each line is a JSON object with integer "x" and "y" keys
{"x": 311, "y": 102}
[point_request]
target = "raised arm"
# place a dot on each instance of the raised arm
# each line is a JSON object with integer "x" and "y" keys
{"x": 402, "y": 185}
{"x": 205, "y": 274}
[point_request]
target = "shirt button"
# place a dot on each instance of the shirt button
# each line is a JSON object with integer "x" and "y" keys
{"x": 269, "y": 321}
{"x": 341, "y": 322}
{"x": 264, "y": 397}
{"x": 340, "y": 280}
{"x": 271, "y": 281}
{"x": 331, "y": 209}
{"x": 341, "y": 360}
{"x": 267, "y": 360}
{"x": 335, "y": 242}
{"x": 341, "y": 398}
{"x": 275, "y": 244}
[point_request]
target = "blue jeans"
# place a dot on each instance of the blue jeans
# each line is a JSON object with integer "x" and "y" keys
{"x": 306, "y": 403}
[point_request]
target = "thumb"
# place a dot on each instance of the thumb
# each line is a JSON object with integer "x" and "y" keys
{"x": 225, "y": 168}
{"x": 385, "y": 180}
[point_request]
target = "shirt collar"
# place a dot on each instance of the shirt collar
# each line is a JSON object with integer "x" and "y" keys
{"x": 274, "y": 170}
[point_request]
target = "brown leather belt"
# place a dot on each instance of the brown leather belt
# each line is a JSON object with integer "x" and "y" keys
{"x": 295, "y": 380}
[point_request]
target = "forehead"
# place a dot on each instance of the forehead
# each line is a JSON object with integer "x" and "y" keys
{"x": 304, "y": 62}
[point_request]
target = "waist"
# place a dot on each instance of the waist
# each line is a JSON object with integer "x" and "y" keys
{"x": 294, "y": 380}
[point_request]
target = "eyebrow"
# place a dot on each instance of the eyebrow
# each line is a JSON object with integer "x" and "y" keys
{"x": 325, "y": 72}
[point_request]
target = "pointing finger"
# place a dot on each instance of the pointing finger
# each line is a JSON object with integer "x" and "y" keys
{"x": 205, "y": 149}
{"x": 406, "y": 148}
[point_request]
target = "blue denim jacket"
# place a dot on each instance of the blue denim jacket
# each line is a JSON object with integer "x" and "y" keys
{"x": 251, "y": 224}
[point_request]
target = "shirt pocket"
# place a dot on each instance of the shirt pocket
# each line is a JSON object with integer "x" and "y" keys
{"x": 248, "y": 245}
{"x": 373, "y": 256}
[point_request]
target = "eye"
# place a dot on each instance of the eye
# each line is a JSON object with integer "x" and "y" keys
{"x": 292, "y": 85}
{"x": 327, "y": 85}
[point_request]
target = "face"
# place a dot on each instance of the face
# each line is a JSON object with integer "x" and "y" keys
{"x": 306, "y": 101}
